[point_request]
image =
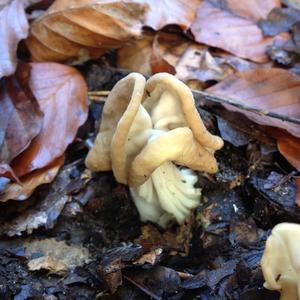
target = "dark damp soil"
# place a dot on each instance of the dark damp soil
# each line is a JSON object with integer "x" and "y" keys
{"x": 215, "y": 255}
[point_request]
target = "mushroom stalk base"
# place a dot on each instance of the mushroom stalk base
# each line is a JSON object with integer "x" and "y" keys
{"x": 169, "y": 194}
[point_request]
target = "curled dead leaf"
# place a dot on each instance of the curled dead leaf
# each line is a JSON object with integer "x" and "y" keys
{"x": 279, "y": 20}
{"x": 13, "y": 28}
{"x": 21, "y": 191}
{"x": 269, "y": 90}
{"x": 288, "y": 146}
{"x": 20, "y": 115}
{"x": 62, "y": 95}
{"x": 235, "y": 31}
{"x": 252, "y": 9}
{"x": 56, "y": 256}
{"x": 84, "y": 29}
{"x": 167, "y": 12}
{"x": 153, "y": 53}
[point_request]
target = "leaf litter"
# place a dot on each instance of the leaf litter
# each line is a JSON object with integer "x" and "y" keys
{"x": 216, "y": 254}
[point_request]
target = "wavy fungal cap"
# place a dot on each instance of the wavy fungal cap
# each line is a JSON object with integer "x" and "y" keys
{"x": 148, "y": 129}
{"x": 281, "y": 261}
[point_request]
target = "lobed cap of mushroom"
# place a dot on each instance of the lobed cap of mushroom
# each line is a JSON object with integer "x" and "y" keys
{"x": 281, "y": 260}
{"x": 187, "y": 102}
{"x": 118, "y": 114}
{"x": 178, "y": 145}
{"x": 189, "y": 145}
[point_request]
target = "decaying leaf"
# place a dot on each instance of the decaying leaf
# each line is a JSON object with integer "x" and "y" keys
{"x": 198, "y": 63}
{"x": 178, "y": 241}
{"x": 137, "y": 56}
{"x": 292, "y": 3}
{"x": 28, "y": 183}
{"x": 20, "y": 115}
{"x": 62, "y": 95}
{"x": 13, "y": 28}
{"x": 84, "y": 29}
{"x": 288, "y": 146}
{"x": 167, "y": 12}
{"x": 279, "y": 20}
{"x": 274, "y": 90}
{"x": 250, "y": 9}
{"x": 49, "y": 263}
{"x": 234, "y": 31}
{"x": 296, "y": 35}
{"x": 154, "y": 53}
{"x": 57, "y": 257}
{"x": 172, "y": 53}
{"x": 45, "y": 212}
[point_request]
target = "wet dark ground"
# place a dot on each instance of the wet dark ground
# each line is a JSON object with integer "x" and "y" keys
{"x": 215, "y": 255}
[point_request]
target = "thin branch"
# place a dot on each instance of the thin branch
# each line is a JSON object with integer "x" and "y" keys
{"x": 224, "y": 100}
{"x": 199, "y": 95}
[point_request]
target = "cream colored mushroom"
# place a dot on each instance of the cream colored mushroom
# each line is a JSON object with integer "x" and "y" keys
{"x": 281, "y": 261}
{"x": 147, "y": 128}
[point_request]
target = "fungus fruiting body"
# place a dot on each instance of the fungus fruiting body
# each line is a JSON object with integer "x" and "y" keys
{"x": 152, "y": 137}
{"x": 281, "y": 261}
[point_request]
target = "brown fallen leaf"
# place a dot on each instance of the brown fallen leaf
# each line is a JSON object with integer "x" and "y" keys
{"x": 178, "y": 241}
{"x": 292, "y": 3}
{"x": 198, "y": 63}
{"x": 251, "y": 9}
{"x": 57, "y": 257}
{"x": 153, "y": 53}
{"x": 137, "y": 56}
{"x": 288, "y": 146}
{"x": 167, "y": 12}
{"x": 20, "y": 115}
{"x": 279, "y": 20}
{"x": 13, "y": 28}
{"x": 80, "y": 30}
{"x": 172, "y": 53}
{"x": 235, "y": 30}
{"x": 150, "y": 258}
{"x": 62, "y": 95}
{"x": 43, "y": 213}
{"x": 49, "y": 263}
{"x": 21, "y": 191}
{"x": 269, "y": 90}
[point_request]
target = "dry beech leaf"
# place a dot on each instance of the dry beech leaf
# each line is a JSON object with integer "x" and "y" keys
{"x": 31, "y": 181}
{"x": 198, "y": 64}
{"x": 73, "y": 29}
{"x": 42, "y": 213}
{"x": 154, "y": 53}
{"x": 137, "y": 56}
{"x": 166, "y": 52}
{"x": 292, "y": 3}
{"x": 252, "y": 9}
{"x": 13, "y": 28}
{"x": 62, "y": 95}
{"x": 232, "y": 31}
{"x": 20, "y": 115}
{"x": 274, "y": 90}
{"x": 167, "y": 12}
{"x": 55, "y": 256}
{"x": 288, "y": 146}
{"x": 279, "y": 20}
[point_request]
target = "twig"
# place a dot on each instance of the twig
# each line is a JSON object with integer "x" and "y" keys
{"x": 98, "y": 93}
{"x": 200, "y": 95}
{"x": 143, "y": 288}
{"x": 224, "y": 100}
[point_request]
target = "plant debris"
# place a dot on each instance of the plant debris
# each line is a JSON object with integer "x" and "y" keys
{"x": 70, "y": 233}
